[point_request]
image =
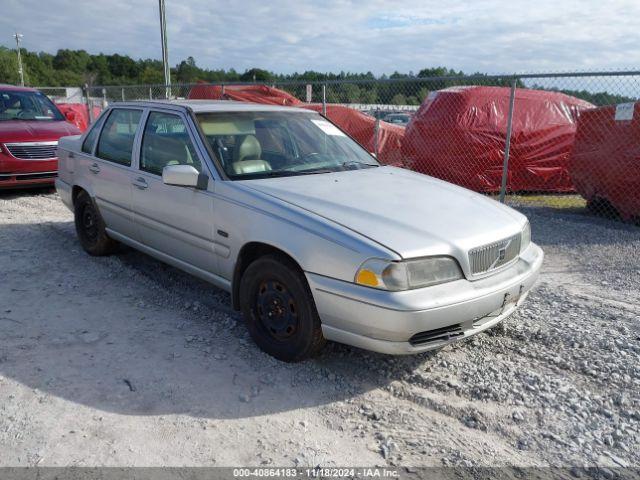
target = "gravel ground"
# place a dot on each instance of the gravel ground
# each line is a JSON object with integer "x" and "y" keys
{"x": 126, "y": 361}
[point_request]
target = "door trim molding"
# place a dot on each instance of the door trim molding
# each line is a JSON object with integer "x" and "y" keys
{"x": 212, "y": 278}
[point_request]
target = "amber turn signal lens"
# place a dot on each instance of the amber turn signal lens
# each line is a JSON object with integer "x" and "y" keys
{"x": 367, "y": 277}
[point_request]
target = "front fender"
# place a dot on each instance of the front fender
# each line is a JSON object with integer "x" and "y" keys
{"x": 316, "y": 244}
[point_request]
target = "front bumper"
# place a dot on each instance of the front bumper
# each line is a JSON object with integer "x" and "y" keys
{"x": 24, "y": 180}
{"x": 15, "y": 173}
{"x": 399, "y": 322}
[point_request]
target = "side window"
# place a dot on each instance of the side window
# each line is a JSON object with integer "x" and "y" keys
{"x": 166, "y": 142}
{"x": 118, "y": 133}
{"x": 90, "y": 139}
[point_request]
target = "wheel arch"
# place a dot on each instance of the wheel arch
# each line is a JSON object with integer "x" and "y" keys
{"x": 75, "y": 192}
{"x": 250, "y": 252}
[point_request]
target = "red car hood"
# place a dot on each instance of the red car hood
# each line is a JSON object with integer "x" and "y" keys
{"x": 34, "y": 131}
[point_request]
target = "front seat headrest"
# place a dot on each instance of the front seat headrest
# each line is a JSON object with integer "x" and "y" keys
{"x": 248, "y": 149}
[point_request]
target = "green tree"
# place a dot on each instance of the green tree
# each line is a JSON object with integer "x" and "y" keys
{"x": 75, "y": 61}
{"x": 151, "y": 76}
{"x": 399, "y": 99}
{"x": 187, "y": 71}
{"x": 8, "y": 66}
{"x": 256, "y": 75}
{"x": 76, "y": 67}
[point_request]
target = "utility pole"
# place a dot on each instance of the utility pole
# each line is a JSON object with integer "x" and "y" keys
{"x": 165, "y": 50}
{"x": 18, "y": 36}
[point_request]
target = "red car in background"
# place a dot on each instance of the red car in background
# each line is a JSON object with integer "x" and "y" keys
{"x": 30, "y": 126}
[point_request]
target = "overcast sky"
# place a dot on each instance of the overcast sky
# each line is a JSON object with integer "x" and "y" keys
{"x": 493, "y": 36}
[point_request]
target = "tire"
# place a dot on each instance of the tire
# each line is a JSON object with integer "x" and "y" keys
{"x": 279, "y": 310}
{"x": 90, "y": 227}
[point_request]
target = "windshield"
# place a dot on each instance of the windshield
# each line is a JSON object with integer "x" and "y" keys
{"x": 275, "y": 144}
{"x": 399, "y": 119}
{"x": 25, "y": 105}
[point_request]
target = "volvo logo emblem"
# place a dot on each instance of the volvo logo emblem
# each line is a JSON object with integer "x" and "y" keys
{"x": 502, "y": 253}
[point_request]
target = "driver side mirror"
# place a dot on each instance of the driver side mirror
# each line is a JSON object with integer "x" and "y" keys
{"x": 70, "y": 116}
{"x": 184, "y": 176}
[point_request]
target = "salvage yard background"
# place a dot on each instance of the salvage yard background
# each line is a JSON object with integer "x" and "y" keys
{"x": 127, "y": 361}
{"x": 563, "y": 140}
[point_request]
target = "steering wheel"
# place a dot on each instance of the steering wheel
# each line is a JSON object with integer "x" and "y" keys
{"x": 25, "y": 115}
{"x": 309, "y": 155}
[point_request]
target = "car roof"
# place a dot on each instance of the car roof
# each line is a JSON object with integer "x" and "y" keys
{"x": 15, "y": 88}
{"x": 203, "y": 106}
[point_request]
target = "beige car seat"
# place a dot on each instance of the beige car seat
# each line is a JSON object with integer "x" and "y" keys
{"x": 246, "y": 157}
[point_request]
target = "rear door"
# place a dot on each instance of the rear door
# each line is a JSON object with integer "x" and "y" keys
{"x": 110, "y": 169}
{"x": 177, "y": 221}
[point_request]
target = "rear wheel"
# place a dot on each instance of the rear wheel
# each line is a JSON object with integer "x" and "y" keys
{"x": 90, "y": 227}
{"x": 279, "y": 310}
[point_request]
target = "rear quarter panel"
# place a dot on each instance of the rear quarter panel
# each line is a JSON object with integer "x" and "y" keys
{"x": 74, "y": 169}
{"x": 67, "y": 151}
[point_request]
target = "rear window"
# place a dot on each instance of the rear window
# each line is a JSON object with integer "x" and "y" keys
{"x": 118, "y": 133}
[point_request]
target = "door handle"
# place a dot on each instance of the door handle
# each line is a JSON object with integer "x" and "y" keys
{"x": 71, "y": 155}
{"x": 140, "y": 182}
{"x": 95, "y": 168}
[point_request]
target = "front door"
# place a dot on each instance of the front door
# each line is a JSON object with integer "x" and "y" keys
{"x": 174, "y": 220}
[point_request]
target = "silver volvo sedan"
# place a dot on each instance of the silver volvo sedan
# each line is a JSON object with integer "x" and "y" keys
{"x": 313, "y": 238}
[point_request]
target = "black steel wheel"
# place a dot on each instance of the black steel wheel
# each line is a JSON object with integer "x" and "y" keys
{"x": 90, "y": 227}
{"x": 279, "y": 310}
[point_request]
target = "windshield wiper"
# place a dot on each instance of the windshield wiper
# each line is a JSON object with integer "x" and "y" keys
{"x": 284, "y": 173}
{"x": 313, "y": 172}
{"x": 294, "y": 173}
{"x": 350, "y": 163}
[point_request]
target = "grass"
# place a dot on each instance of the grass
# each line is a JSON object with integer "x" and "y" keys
{"x": 569, "y": 201}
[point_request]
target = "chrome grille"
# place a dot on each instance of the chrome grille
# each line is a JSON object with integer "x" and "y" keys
{"x": 494, "y": 255}
{"x": 32, "y": 150}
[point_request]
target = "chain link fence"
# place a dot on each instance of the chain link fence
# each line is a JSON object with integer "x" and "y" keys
{"x": 567, "y": 141}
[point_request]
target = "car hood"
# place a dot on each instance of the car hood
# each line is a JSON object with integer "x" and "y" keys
{"x": 34, "y": 131}
{"x": 412, "y": 214}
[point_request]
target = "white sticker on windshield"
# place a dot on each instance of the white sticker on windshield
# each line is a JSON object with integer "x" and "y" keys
{"x": 624, "y": 111}
{"x": 328, "y": 128}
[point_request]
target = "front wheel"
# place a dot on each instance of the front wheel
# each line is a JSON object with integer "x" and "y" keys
{"x": 90, "y": 227}
{"x": 279, "y": 310}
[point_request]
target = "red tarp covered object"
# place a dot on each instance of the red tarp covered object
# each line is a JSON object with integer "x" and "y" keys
{"x": 459, "y": 133}
{"x": 357, "y": 124}
{"x": 82, "y": 115}
{"x": 244, "y": 93}
{"x": 605, "y": 164}
{"x": 362, "y": 128}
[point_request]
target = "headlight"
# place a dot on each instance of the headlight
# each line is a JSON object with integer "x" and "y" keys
{"x": 525, "y": 237}
{"x": 407, "y": 275}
